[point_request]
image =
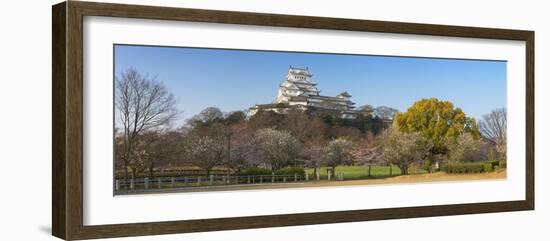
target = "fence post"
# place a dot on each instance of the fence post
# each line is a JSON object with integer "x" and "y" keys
{"x": 173, "y": 180}
{"x": 317, "y": 176}
{"x": 117, "y": 185}
{"x": 295, "y": 177}
{"x": 199, "y": 180}
{"x": 272, "y": 177}
{"x": 132, "y": 184}
{"x": 307, "y": 176}
{"x": 248, "y": 179}
{"x": 342, "y": 176}
{"x": 223, "y": 179}
{"x": 146, "y": 183}
{"x": 328, "y": 175}
{"x": 284, "y": 179}
{"x": 261, "y": 179}
{"x": 211, "y": 179}
{"x": 159, "y": 182}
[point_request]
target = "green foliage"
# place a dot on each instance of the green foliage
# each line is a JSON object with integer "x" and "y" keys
{"x": 256, "y": 171}
{"x": 362, "y": 123}
{"x": 436, "y": 121}
{"x": 502, "y": 164}
{"x": 427, "y": 165}
{"x": 290, "y": 171}
{"x": 477, "y": 167}
{"x": 487, "y": 167}
{"x": 494, "y": 163}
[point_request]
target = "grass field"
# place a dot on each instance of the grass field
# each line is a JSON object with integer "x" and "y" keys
{"x": 362, "y": 172}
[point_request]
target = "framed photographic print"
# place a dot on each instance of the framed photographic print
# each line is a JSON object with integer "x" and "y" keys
{"x": 171, "y": 120}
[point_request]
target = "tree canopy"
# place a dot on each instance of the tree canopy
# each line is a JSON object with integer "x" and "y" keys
{"x": 437, "y": 121}
{"x": 402, "y": 148}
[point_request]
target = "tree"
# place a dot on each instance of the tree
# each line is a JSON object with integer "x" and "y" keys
{"x": 206, "y": 148}
{"x": 206, "y": 117}
{"x": 338, "y": 152}
{"x": 436, "y": 121}
{"x": 303, "y": 126}
{"x": 276, "y": 148}
{"x": 402, "y": 148}
{"x": 493, "y": 129}
{"x": 143, "y": 103}
{"x": 158, "y": 148}
{"x": 266, "y": 119}
{"x": 465, "y": 148}
{"x": 235, "y": 117}
{"x": 313, "y": 153}
{"x": 239, "y": 144}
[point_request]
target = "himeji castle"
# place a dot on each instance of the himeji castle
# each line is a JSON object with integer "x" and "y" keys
{"x": 299, "y": 90}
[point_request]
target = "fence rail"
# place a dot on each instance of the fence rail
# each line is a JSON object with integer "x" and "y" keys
{"x": 215, "y": 180}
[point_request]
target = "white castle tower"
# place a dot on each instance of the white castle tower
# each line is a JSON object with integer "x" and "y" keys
{"x": 298, "y": 82}
{"x": 299, "y": 90}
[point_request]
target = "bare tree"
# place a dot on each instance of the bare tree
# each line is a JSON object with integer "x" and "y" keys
{"x": 493, "y": 126}
{"x": 207, "y": 148}
{"x": 143, "y": 104}
{"x": 493, "y": 129}
{"x": 465, "y": 148}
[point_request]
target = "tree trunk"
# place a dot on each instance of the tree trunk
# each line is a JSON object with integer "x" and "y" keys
{"x": 151, "y": 168}
{"x": 333, "y": 171}
{"x": 134, "y": 171}
{"x": 125, "y": 170}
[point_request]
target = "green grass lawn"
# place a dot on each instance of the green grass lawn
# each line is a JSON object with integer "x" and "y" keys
{"x": 362, "y": 172}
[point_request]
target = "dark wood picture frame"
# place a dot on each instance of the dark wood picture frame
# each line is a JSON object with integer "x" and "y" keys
{"x": 67, "y": 123}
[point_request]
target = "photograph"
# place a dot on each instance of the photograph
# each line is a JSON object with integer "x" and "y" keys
{"x": 189, "y": 119}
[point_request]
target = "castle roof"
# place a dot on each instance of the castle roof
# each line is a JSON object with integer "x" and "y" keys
{"x": 344, "y": 94}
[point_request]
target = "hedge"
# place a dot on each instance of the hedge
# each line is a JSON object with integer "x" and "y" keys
{"x": 255, "y": 171}
{"x": 291, "y": 171}
{"x": 475, "y": 167}
{"x": 464, "y": 167}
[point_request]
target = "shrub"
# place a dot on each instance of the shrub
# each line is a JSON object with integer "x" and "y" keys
{"x": 494, "y": 163}
{"x": 502, "y": 164}
{"x": 487, "y": 167}
{"x": 256, "y": 171}
{"x": 291, "y": 171}
{"x": 464, "y": 168}
{"x": 427, "y": 165}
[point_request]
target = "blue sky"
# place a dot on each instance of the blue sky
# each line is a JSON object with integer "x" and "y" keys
{"x": 237, "y": 79}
